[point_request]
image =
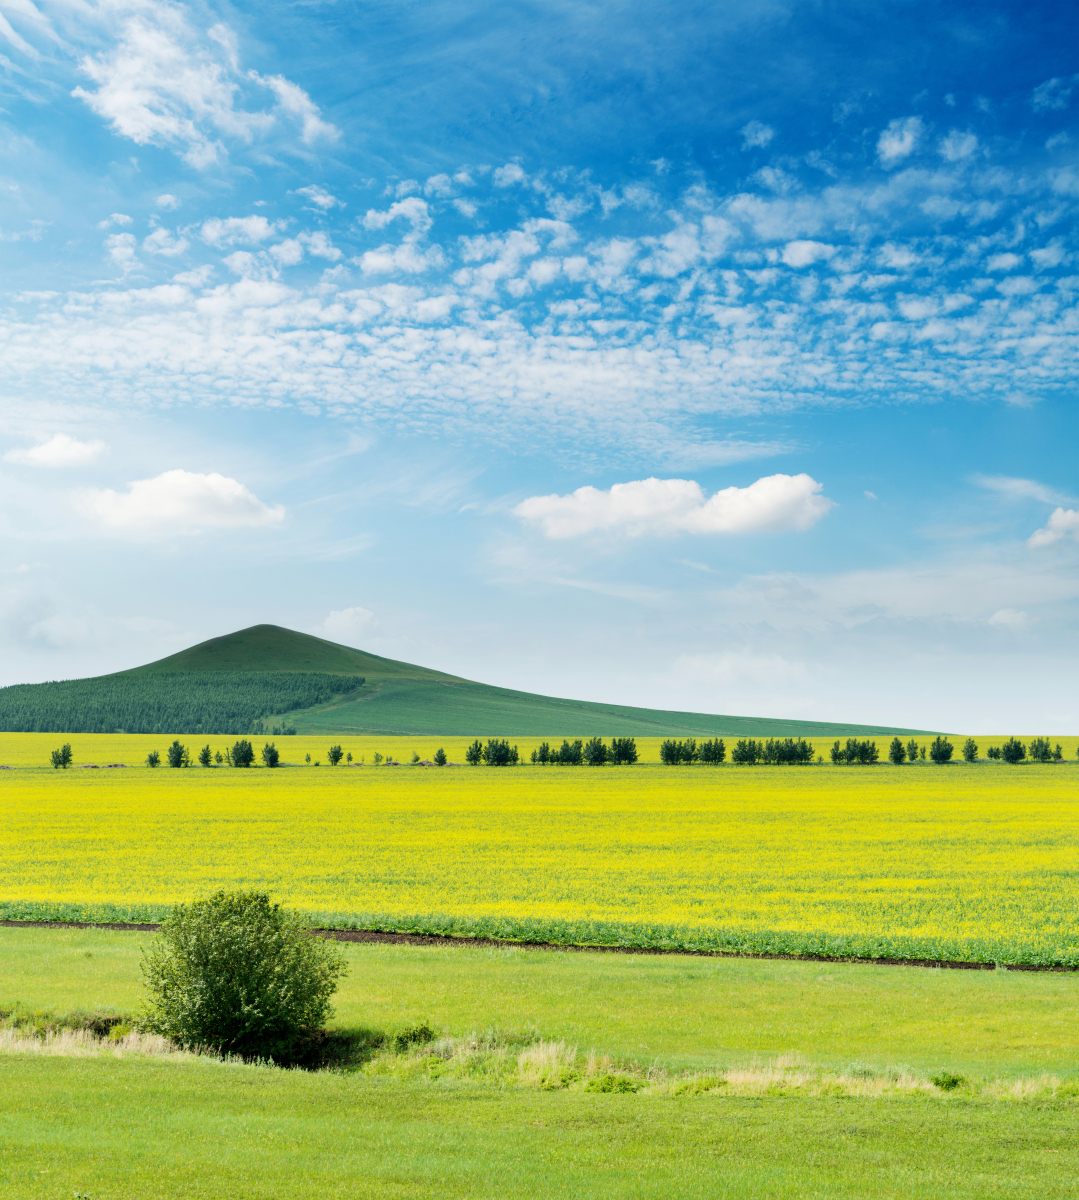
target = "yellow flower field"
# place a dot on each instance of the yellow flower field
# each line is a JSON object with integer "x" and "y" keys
{"x": 958, "y": 862}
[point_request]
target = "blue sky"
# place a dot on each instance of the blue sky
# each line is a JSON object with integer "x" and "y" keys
{"x": 718, "y": 357}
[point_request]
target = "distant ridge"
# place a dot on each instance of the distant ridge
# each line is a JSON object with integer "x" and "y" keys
{"x": 374, "y": 695}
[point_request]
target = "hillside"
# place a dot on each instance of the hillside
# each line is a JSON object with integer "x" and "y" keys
{"x": 271, "y": 676}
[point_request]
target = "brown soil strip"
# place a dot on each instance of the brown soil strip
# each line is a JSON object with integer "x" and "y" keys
{"x": 379, "y": 937}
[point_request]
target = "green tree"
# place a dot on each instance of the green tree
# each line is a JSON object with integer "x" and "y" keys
{"x": 62, "y": 757}
{"x": 335, "y": 754}
{"x": 623, "y": 750}
{"x": 993, "y": 752}
{"x": 440, "y": 757}
{"x": 1040, "y": 751}
{"x": 1013, "y": 751}
{"x": 219, "y": 758}
{"x": 243, "y": 753}
{"x": 970, "y": 750}
{"x": 838, "y": 756}
{"x": 205, "y": 756}
{"x": 714, "y": 751}
{"x": 569, "y": 754}
{"x": 474, "y": 754}
{"x": 153, "y": 759}
{"x": 542, "y": 755}
{"x": 178, "y": 755}
{"x": 270, "y": 756}
{"x": 239, "y": 975}
{"x": 941, "y": 750}
{"x": 499, "y": 753}
{"x": 897, "y": 752}
{"x": 912, "y": 750}
{"x": 596, "y": 752}
{"x": 348, "y": 758}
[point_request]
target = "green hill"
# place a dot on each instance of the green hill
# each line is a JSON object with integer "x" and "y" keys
{"x": 278, "y": 676}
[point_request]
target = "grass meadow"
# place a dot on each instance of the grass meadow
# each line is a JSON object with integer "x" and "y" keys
{"x": 743, "y": 1079}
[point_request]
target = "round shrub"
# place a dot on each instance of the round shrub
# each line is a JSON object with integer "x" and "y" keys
{"x": 239, "y": 975}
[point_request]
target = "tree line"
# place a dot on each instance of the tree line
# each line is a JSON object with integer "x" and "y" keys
{"x": 215, "y": 702}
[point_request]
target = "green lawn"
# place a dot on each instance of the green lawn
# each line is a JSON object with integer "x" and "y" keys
{"x": 131, "y": 1130}
{"x": 113, "y": 1128}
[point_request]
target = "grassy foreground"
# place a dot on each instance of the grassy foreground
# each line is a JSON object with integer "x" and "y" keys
{"x": 972, "y": 863}
{"x": 125, "y": 1126}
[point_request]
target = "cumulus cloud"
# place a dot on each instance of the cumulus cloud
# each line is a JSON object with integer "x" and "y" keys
{"x": 899, "y": 140}
{"x": 59, "y": 451}
{"x": 114, "y": 219}
{"x": 1063, "y": 522}
{"x": 349, "y": 624}
{"x": 166, "y": 83}
{"x": 406, "y": 256}
{"x": 958, "y": 145}
{"x": 168, "y": 201}
{"x": 319, "y": 197}
{"x": 756, "y": 134}
{"x": 229, "y": 231}
{"x": 180, "y": 502}
{"x": 805, "y": 253}
{"x": 163, "y": 242}
{"x": 121, "y": 248}
{"x": 663, "y": 506}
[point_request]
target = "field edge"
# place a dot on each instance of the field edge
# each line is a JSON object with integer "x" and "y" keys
{"x": 629, "y": 937}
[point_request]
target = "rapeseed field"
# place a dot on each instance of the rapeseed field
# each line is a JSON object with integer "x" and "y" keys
{"x": 966, "y": 862}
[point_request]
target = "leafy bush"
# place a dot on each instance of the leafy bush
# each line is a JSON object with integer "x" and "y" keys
{"x": 611, "y": 1083}
{"x": 153, "y": 759}
{"x": 335, "y": 754}
{"x": 239, "y": 975}
{"x": 947, "y": 1081}
{"x": 1013, "y": 751}
{"x": 941, "y": 750}
{"x": 474, "y": 754}
{"x": 993, "y": 752}
{"x": 270, "y": 755}
{"x": 178, "y": 755}
{"x": 440, "y": 757}
{"x": 416, "y": 1035}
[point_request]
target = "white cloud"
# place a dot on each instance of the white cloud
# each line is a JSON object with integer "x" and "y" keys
{"x": 734, "y": 668}
{"x": 319, "y": 197}
{"x": 1009, "y": 618}
{"x": 958, "y": 145}
{"x": 121, "y": 248}
{"x": 161, "y": 241}
{"x": 1052, "y": 94}
{"x": 413, "y": 209}
{"x": 114, "y": 219}
{"x": 349, "y": 624}
{"x": 805, "y": 253}
{"x": 229, "y": 230}
{"x": 1021, "y": 489}
{"x": 179, "y": 502}
{"x": 168, "y": 201}
{"x": 1003, "y": 262}
{"x": 320, "y": 245}
{"x": 508, "y": 175}
{"x": 407, "y": 255}
{"x": 756, "y": 134}
{"x": 1062, "y": 523}
{"x": 166, "y": 83}
{"x": 659, "y": 506}
{"x": 59, "y": 451}
{"x": 899, "y": 140}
